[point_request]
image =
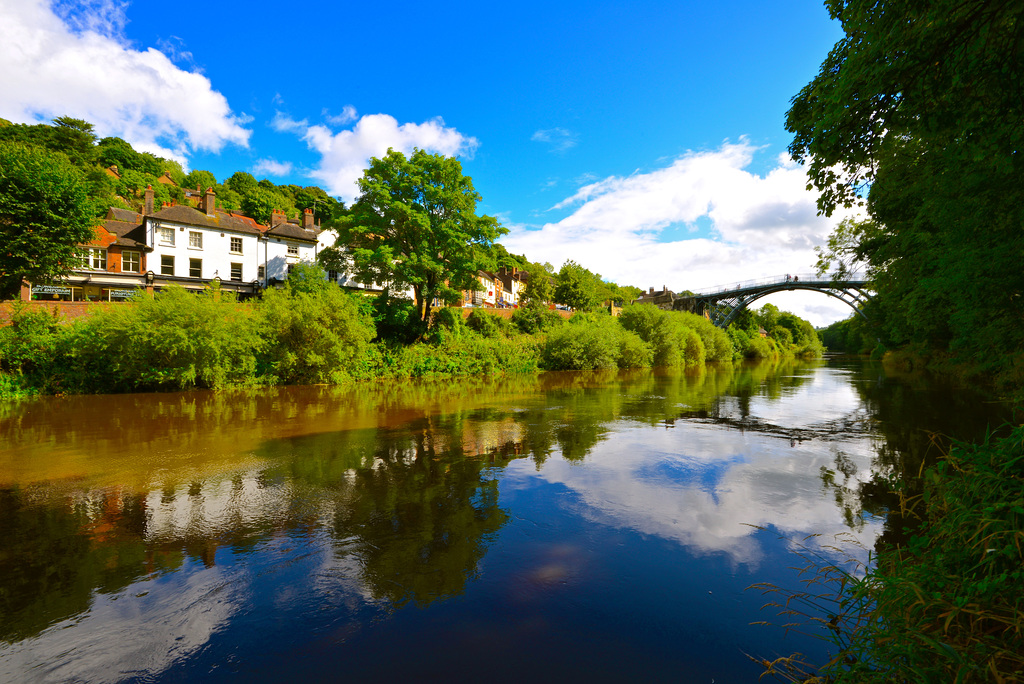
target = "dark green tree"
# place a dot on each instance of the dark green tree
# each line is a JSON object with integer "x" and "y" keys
{"x": 45, "y": 214}
{"x": 917, "y": 112}
{"x": 415, "y": 226}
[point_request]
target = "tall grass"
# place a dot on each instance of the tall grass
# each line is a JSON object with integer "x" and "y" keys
{"x": 948, "y": 606}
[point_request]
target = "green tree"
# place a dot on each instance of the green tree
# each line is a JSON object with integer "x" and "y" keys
{"x": 577, "y": 287}
{"x": 201, "y": 179}
{"x": 917, "y": 111}
{"x": 538, "y": 289}
{"x": 258, "y": 205}
{"x": 45, "y": 214}
{"x": 415, "y": 225}
{"x": 241, "y": 182}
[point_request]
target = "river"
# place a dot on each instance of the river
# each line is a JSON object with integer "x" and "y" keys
{"x": 563, "y": 527}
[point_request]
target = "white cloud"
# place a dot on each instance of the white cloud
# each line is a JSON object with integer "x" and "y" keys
{"x": 282, "y": 123}
{"x": 74, "y": 61}
{"x": 560, "y": 139}
{"x": 271, "y": 167}
{"x": 347, "y": 116}
{"x": 345, "y": 155}
{"x": 625, "y": 228}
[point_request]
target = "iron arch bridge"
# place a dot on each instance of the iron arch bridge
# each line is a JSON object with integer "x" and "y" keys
{"x": 724, "y": 304}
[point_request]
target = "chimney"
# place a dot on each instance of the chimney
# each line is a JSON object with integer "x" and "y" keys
{"x": 277, "y": 217}
{"x": 147, "y": 208}
{"x": 208, "y": 203}
{"x": 652, "y": 290}
{"x": 307, "y": 219}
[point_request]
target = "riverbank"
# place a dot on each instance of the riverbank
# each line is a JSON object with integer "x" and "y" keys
{"x": 180, "y": 341}
{"x": 946, "y": 605}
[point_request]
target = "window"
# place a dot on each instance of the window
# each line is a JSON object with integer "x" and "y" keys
{"x": 93, "y": 259}
{"x": 130, "y": 262}
{"x": 291, "y": 267}
{"x": 236, "y": 245}
{"x": 332, "y": 276}
{"x": 195, "y": 268}
{"x": 167, "y": 265}
{"x": 236, "y": 271}
{"x": 195, "y": 239}
{"x": 293, "y": 250}
{"x": 167, "y": 235}
{"x": 261, "y": 272}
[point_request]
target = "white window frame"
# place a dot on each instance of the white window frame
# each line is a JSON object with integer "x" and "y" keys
{"x": 195, "y": 239}
{"x": 236, "y": 269}
{"x": 163, "y": 264}
{"x": 93, "y": 259}
{"x": 236, "y": 241}
{"x": 166, "y": 235}
{"x": 293, "y": 250}
{"x": 190, "y": 264}
{"x": 125, "y": 261}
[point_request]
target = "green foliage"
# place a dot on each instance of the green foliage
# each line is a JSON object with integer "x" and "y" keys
{"x": 677, "y": 338}
{"x": 307, "y": 278}
{"x": 27, "y": 344}
{"x": 241, "y": 182}
{"x": 176, "y": 340}
{"x": 258, "y": 205}
{"x": 415, "y": 225}
{"x": 534, "y": 318}
{"x": 396, "y": 320}
{"x": 45, "y": 213}
{"x": 538, "y": 290}
{"x": 487, "y": 324}
{"x": 201, "y": 179}
{"x": 945, "y": 606}
{"x": 466, "y": 355}
{"x": 577, "y": 287}
{"x": 315, "y": 334}
{"x": 913, "y": 106}
{"x": 594, "y": 342}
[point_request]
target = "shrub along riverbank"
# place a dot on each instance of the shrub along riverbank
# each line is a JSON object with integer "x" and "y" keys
{"x": 312, "y": 332}
{"x": 945, "y": 606}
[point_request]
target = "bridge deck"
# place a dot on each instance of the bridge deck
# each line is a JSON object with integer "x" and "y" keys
{"x": 793, "y": 281}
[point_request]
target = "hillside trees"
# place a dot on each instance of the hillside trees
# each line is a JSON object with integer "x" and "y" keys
{"x": 917, "y": 110}
{"x": 45, "y": 213}
{"x": 415, "y": 225}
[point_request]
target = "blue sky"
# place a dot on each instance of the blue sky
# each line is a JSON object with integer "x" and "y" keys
{"x": 645, "y": 140}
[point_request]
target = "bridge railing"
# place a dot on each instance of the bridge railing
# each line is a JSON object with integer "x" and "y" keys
{"x": 809, "y": 278}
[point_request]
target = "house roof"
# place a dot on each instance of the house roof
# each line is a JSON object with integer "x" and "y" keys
{"x": 128, "y": 234}
{"x": 193, "y": 217}
{"x": 293, "y": 232}
{"x": 125, "y": 215}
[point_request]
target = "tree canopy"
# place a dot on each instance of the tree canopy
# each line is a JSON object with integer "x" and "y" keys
{"x": 415, "y": 225}
{"x": 916, "y": 112}
{"x": 45, "y": 214}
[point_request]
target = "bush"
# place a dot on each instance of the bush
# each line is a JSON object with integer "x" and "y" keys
{"x": 312, "y": 335}
{"x": 593, "y": 342}
{"x": 29, "y": 340}
{"x": 487, "y": 325}
{"x": 534, "y": 318}
{"x": 176, "y": 340}
{"x": 717, "y": 345}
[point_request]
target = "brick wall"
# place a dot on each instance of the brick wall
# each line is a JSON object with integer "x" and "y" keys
{"x": 67, "y": 311}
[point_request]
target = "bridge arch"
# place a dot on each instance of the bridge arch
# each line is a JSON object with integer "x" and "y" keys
{"x": 725, "y": 304}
